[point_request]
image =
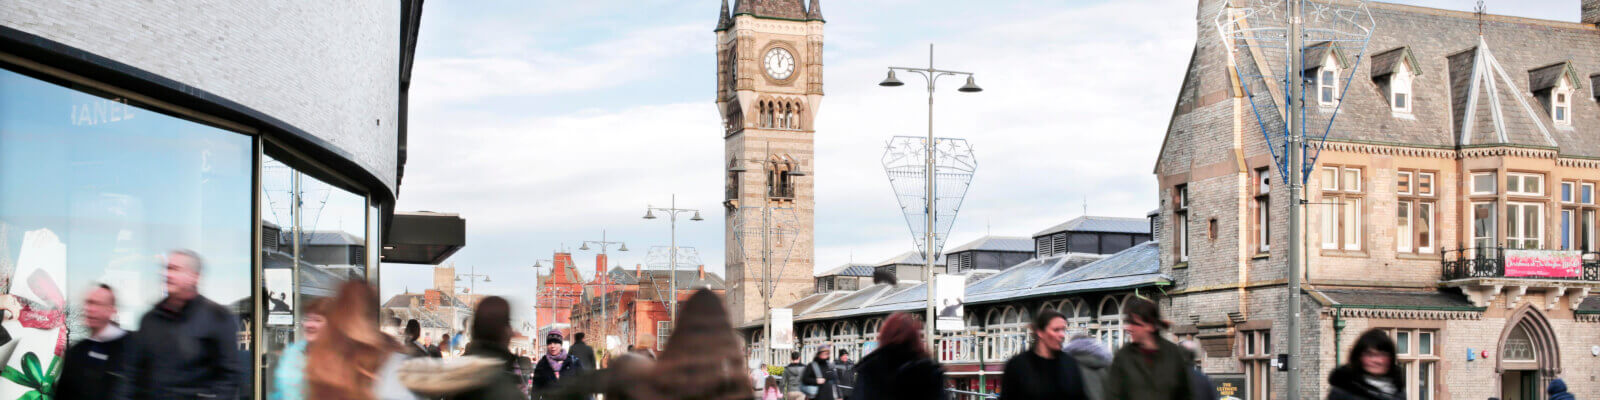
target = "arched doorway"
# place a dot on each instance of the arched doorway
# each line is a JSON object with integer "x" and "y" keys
{"x": 1529, "y": 355}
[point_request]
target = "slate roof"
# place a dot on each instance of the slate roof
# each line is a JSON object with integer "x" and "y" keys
{"x": 1317, "y": 52}
{"x": 1546, "y": 77}
{"x": 1590, "y": 305}
{"x": 689, "y": 279}
{"x": 403, "y": 300}
{"x": 332, "y": 238}
{"x": 996, "y": 243}
{"x": 786, "y": 9}
{"x": 851, "y": 269}
{"x": 910, "y": 257}
{"x": 1398, "y": 298}
{"x": 1100, "y": 224}
{"x": 1383, "y": 63}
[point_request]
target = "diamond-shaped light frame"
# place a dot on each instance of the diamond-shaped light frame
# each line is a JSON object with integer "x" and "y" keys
{"x": 904, "y": 160}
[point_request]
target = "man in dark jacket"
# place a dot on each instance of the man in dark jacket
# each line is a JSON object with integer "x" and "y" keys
{"x": 821, "y": 373}
{"x": 93, "y": 362}
{"x": 583, "y": 352}
{"x": 1558, "y": 390}
{"x": 847, "y": 372}
{"x": 556, "y": 365}
{"x": 792, "y": 373}
{"x": 186, "y": 345}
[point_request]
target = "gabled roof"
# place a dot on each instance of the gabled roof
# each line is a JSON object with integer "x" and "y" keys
{"x": 1100, "y": 224}
{"x": 851, "y": 269}
{"x": 1384, "y": 63}
{"x": 1489, "y": 107}
{"x": 689, "y": 279}
{"x": 910, "y": 257}
{"x": 1547, "y": 77}
{"x": 1316, "y": 52}
{"x": 996, "y": 243}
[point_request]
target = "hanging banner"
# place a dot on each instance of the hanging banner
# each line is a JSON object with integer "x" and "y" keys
{"x": 950, "y": 301}
{"x": 782, "y": 335}
{"x": 1544, "y": 264}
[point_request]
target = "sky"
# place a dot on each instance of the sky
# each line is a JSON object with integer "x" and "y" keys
{"x": 549, "y": 123}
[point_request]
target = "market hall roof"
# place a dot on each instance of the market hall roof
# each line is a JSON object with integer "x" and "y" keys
{"x": 996, "y": 243}
{"x": 851, "y": 269}
{"x": 910, "y": 257}
{"x": 1100, "y": 224}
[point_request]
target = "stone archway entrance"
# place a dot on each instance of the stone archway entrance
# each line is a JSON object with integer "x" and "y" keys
{"x": 1529, "y": 355}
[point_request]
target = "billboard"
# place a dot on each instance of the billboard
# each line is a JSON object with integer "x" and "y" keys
{"x": 782, "y": 335}
{"x": 1544, "y": 263}
{"x": 949, "y": 300}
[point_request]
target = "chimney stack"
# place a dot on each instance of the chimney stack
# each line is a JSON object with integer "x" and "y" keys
{"x": 638, "y": 271}
{"x": 1591, "y": 12}
{"x": 702, "y": 271}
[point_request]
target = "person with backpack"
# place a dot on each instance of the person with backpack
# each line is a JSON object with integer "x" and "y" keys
{"x": 820, "y": 381}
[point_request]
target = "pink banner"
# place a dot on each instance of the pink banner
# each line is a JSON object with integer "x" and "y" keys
{"x": 1544, "y": 264}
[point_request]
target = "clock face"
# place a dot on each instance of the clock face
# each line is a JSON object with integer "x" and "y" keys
{"x": 780, "y": 64}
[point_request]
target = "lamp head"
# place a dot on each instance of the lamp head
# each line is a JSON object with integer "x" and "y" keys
{"x": 890, "y": 81}
{"x": 970, "y": 87}
{"x": 649, "y": 214}
{"x": 585, "y": 246}
{"x": 696, "y": 217}
{"x": 623, "y": 248}
{"x": 485, "y": 279}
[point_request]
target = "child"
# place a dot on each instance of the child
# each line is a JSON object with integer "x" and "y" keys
{"x": 771, "y": 391}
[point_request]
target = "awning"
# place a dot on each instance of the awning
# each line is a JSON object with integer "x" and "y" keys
{"x": 424, "y": 237}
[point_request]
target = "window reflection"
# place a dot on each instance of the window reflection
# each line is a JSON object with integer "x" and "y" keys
{"x": 95, "y": 190}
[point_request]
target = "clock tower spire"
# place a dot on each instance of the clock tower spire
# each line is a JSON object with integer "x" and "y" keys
{"x": 769, "y": 88}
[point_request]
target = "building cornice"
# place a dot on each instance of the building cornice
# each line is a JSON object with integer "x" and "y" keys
{"x": 1390, "y": 149}
{"x": 1374, "y": 312}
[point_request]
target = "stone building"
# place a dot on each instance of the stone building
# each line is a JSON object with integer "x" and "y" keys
{"x": 769, "y": 87}
{"x": 1464, "y": 150}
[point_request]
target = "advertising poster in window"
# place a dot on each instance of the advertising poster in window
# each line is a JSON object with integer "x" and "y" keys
{"x": 949, "y": 298}
{"x": 280, "y": 305}
{"x": 782, "y": 328}
{"x": 1230, "y": 386}
{"x": 1544, "y": 263}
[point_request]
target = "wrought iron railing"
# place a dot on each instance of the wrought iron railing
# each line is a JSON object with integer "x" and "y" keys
{"x": 1490, "y": 262}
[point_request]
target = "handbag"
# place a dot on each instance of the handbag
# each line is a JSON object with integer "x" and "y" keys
{"x": 811, "y": 390}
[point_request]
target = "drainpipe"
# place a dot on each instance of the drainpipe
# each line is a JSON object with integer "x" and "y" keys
{"x": 1338, "y": 328}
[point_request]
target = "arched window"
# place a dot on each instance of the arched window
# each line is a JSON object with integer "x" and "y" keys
{"x": 1110, "y": 318}
{"x": 1011, "y": 316}
{"x": 869, "y": 333}
{"x": 1068, "y": 308}
{"x": 994, "y": 317}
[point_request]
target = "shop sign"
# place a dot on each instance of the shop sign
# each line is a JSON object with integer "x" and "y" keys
{"x": 1544, "y": 264}
{"x": 782, "y": 328}
{"x": 1230, "y": 386}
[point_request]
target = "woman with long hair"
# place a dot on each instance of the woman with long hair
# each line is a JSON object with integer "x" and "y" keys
{"x": 1044, "y": 371}
{"x": 1149, "y": 367}
{"x": 1370, "y": 373}
{"x": 491, "y": 340}
{"x": 289, "y": 379}
{"x": 351, "y": 359}
{"x": 901, "y": 367}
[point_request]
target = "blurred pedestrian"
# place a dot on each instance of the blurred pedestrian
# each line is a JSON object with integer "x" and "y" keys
{"x": 92, "y": 362}
{"x": 289, "y": 377}
{"x": 759, "y": 377}
{"x": 351, "y": 358}
{"x": 583, "y": 351}
{"x": 413, "y": 332}
{"x": 792, "y": 373}
{"x": 186, "y": 344}
{"x": 847, "y": 373}
{"x": 1044, "y": 371}
{"x": 820, "y": 381}
{"x": 1149, "y": 367}
{"x": 769, "y": 389}
{"x": 444, "y": 345}
{"x": 1093, "y": 359}
{"x": 491, "y": 340}
{"x": 1558, "y": 390}
{"x": 1370, "y": 373}
{"x": 556, "y": 365}
{"x": 433, "y": 349}
{"x": 901, "y": 367}
{"x": 1199, "y": 384}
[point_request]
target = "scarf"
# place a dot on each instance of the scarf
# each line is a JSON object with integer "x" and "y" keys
{"x": 556, "y": 360}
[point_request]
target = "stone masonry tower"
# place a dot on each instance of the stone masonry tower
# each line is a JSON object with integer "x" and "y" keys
{"x": 769, "y": 86}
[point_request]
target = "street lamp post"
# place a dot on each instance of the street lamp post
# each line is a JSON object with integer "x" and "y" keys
{"x": 472, "y": 288}
{"x": 536, "y": 302}
{"x": 672, "y": 211}
{"x": 767, "y": 284}
{"x": 929, "y": 253}
{"x": 604, "y": 283}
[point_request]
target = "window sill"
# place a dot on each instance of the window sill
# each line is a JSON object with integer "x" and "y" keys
{"x": 1345, "y": 253}
{"x": 1405, "y": 115}
{"x": 1418, "y": 256}
{"x": 1181, "y": 265}
{"x": 1261, "y": 256}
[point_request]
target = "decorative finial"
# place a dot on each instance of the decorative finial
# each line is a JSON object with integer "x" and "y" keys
{"x": 1480, "y": 11}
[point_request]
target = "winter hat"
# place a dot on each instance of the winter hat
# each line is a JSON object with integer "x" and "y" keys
{"x": 553, "y": 338}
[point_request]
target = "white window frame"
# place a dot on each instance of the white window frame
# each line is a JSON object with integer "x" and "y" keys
{"x": 1521, "y": 178}
{"x": 1263, "y": 210}
{"x": 1426, "y": 212}
{"x": 1352, "y": 223}
{"x": 1520, "y": 231}
{"x": 1586, "y": 193}
{"x": 1404, "y": 182}
{"x": 1493, "y": 222}
{"x": 1404, "y": 232}
{"x": 1414, "y": 358}
{"x": 1493, "y": 182}
{"x": 1181, "y": 197}
{"x": 1400, "y": 97}
{"x": 1432, "y": 183}
{"x": 1569, "y": 228}
{"x": 1341, "y": 219}
{"x": 1561, "y": 104}
{"x": 1569, "y": 191}
{"x": 1328, "y": 80}
{"x": 663, "y": 331}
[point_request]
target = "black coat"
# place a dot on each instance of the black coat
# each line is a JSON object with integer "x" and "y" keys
{"x": 183, "y": 354}
{"x": 87, "y": 367}
{"x": 1349, "y": 382}
{"x": 1026, "y": 373}
{"x": 544, "y": 374}
{"x": 847, "y": 375}
{"x": 898, "y": 374}
{"x": 830, "y": 385}
{"x": 584, "y": 353}
{"x": 503, "y": 387}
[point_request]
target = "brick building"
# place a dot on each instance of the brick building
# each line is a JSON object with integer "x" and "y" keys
{"x": 636, "y": 305}
{"x": 558, "y": 292}
{"x": 1457, "y": 140}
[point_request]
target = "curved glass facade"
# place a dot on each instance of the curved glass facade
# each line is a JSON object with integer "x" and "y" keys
{"x": 96, "y": 189}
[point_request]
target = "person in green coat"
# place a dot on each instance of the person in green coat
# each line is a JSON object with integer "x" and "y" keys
{"x": 1149, "y": 367}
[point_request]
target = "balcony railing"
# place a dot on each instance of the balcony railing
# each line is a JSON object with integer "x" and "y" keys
{"x": 1490, "y": 262}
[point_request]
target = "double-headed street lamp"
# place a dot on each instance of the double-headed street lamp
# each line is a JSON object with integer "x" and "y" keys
{"x": 600, "y": 275}
{"x": 672, "y": 211}
{"x": 472, "y": 289}
{"x": 929, "y": 252}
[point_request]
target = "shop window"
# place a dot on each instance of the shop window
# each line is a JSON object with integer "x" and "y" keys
{"x": 96, "y": 189}
{"x": 1256, "y": 355}
{"x": 1342, "y": 210}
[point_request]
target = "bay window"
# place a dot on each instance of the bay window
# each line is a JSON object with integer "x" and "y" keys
{"x": 1521, "y": 184}
{"x": 1524, "y": 225}
{"x": 1483, "y": 225}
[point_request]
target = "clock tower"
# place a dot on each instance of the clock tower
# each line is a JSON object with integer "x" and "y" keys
{"x": 769, "y": 87}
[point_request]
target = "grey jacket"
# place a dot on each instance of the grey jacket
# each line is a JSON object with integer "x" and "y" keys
{"x": 1093, "y": 358}
{"x": 791, "y": 377}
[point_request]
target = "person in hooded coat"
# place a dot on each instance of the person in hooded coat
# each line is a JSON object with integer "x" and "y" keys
{"x": 901, "y": 368}
{"x": 1092, "y": 358}
{"x": 1371, "y": 373}
{"x": 1558, "y": 390}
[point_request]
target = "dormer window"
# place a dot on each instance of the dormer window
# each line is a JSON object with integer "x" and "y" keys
{"x": 1554, "y": 86}
{"x": 1324, "y": 63}
{"x": 1561, "y": 108}
{"x": 1328, "y": 85}
{"x": 1400, "y": 91}
{"x": 1393, "y": 71}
